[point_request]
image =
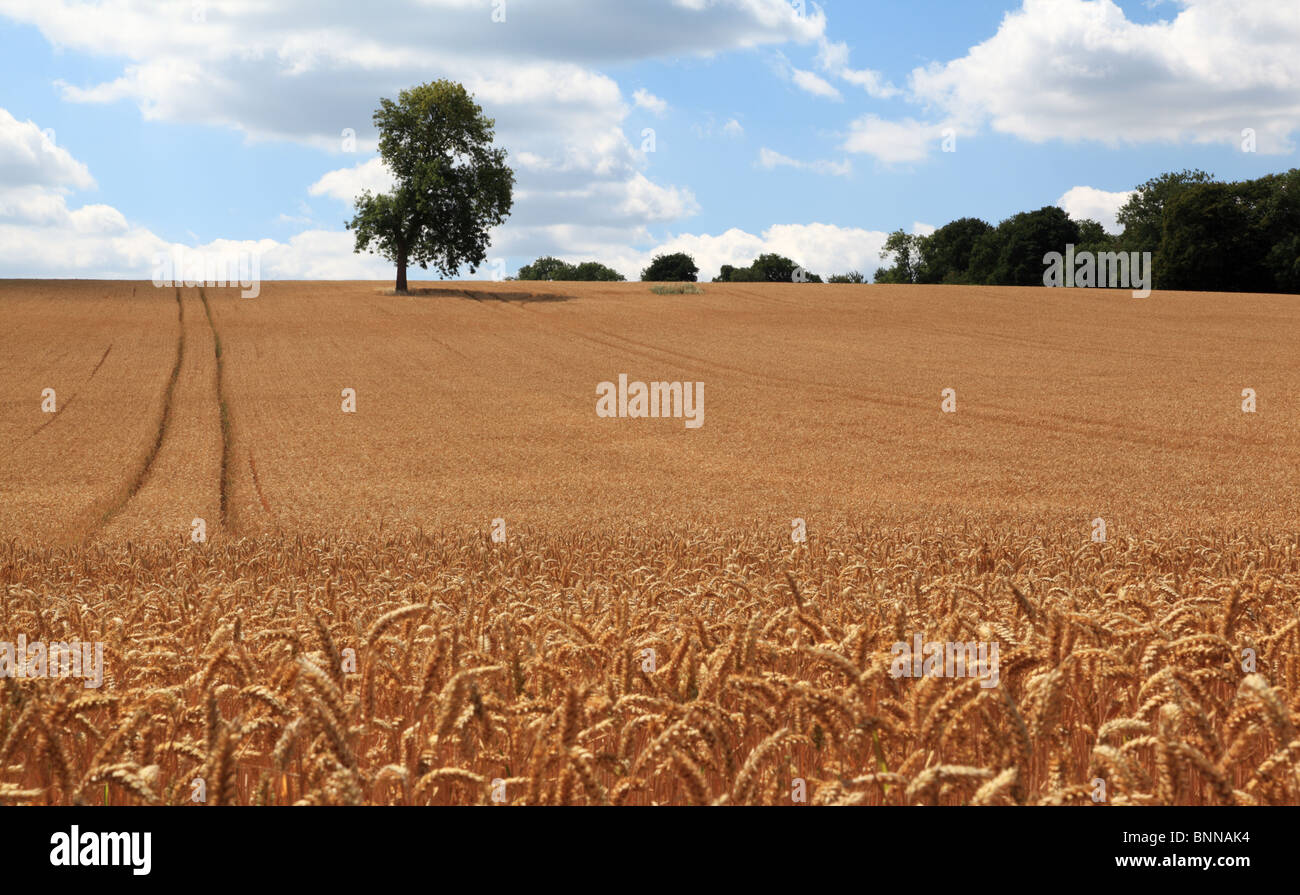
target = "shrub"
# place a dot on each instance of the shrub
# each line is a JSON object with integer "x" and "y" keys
{"x": 676, "y": 268}
{"x": 594, "y": 271}
{"x": 548, "y": 268}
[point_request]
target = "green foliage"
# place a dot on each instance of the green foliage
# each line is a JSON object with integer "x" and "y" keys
{"x": 1142, "y": 216}
{"x": 904, "y": 250}
{"x": 1093, "y": 238}
{"x": 946, "y": 253}
{"x": 1231, "y": 237}
{"x": 767, "y": 268}
{"x": 729, "y": 274}
{"x": 675, "y": 268}
{"x": 1202, "y": 235}
{"x": 773, "y": 268}
{"x": 549, "y": 268}
{"x": 1091, "y": 232}
{"x": 594, "y": 271}
{"x": 452, "y": 186}
{"x": 1278, "y": 217}
{"x": 1012, "y": 255}
{"x": 683, "y": 289}
{"x": 852, "y": 276}
{"x": 1212, "y": 240}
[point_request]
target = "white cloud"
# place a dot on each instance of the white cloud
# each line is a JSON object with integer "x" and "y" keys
{"x": 733, "y": 129}
{"x": 812, "y": 83}
{"x": 304, "y": 72}
{"x": 820, "y": 248}
{"x": 647, "y": 100}
{"x": 644, "y": 200}
{"x": 346, "y": 184}
{"x": 892, "y": 141}
{"x": 323, "y": 255}
{"x": 834, "y": 59}
{"x": 42, "y": 236}
{"x": 1099, "y": 205}
{"x": 920, "y": 229}
{"x": 770, "y": 159}
{"x": 1080, "y": 70}
{"x": 28, "y": 156}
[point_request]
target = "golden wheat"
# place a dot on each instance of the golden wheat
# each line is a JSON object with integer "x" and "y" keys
{"x": 498, "y": 673}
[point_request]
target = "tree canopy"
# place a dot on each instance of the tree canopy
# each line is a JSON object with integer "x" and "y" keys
{"x": 945, "y": 254}
{"x": 678, "y": 267}
{"x": 767, "y": 268}
{"x": 549, "y": 268}
{"x": 451, "y": 185}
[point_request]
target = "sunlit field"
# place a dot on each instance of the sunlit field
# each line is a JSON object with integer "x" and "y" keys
{"x": 345, "y": 546}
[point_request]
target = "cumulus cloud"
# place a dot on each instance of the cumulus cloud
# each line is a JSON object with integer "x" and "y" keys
{"x": 1099, "y": 205}
{"x": 1080, "y": 70}
{"x": 733, "y": 129}
{"x": 42, "y": 235}
{"x": 301, "y": 71}
{"x": 345, "y": 184}
{"x": 29, "y": 156}
{"x": 892, "y": 141}
{"x": 304, "y": 72}
{"x": 821, "y": 248}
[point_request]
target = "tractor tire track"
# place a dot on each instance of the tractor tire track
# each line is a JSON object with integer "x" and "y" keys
{"x": 1083, "y": 427}
{"x": 164, "y": 421}
{"x": 224, "y": 481}
{"x": 101, "y": 362}
{"x": 257, "y": 484}
{"x": 63, "y": 405}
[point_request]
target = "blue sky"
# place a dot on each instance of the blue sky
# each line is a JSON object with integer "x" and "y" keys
{"x": 127, "y": 129}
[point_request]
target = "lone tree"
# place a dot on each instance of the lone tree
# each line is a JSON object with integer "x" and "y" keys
{"x": 451, "y": 184}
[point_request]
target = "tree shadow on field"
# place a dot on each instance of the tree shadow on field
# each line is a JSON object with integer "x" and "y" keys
{"x": 480, "y": 295}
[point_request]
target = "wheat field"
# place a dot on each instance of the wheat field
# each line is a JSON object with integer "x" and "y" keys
{"x": 641, "y": 627}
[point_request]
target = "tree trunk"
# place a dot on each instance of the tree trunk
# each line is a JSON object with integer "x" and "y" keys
{"x": 400, "y": 288}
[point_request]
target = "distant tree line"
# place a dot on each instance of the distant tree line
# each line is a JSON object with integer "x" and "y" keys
{"x": 549, "y": 268}
{"x": 767, "y": 269}
{"x": 679, "y": 267}
{"x": 1202, "y": 235}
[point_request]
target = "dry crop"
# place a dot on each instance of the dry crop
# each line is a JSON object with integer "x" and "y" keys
{"x": 648, "y": 632}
